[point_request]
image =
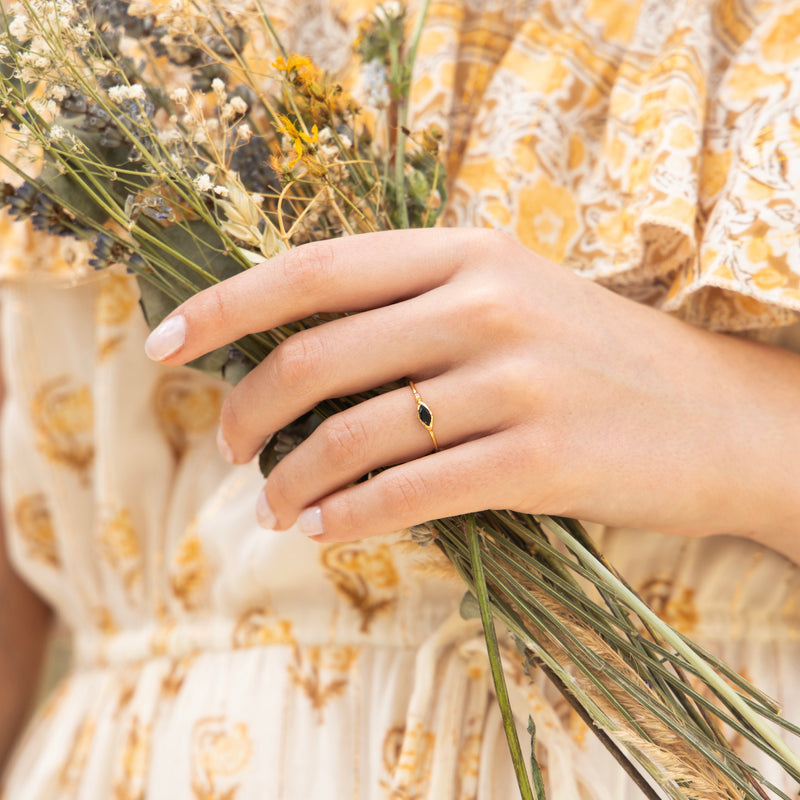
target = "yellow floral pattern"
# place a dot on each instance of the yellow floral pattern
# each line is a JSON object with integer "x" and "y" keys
{"x": 257, "y": 627}
{"x": 220, "y": 751}
{"x": 187, "y": 405}
{"x": 674, "y": 604}
{"x": 131, "y": 780}
{"x": 62, "y": 414}
{"x": 117, "y": 301}
{"x": 322, "y": 673}
{"x": 189, "y": 573}
{"x": 119, "y": 543}
{"x": 629, "y": 161}
{"x": 364, "y": 574}
{"x": 71, "y": 772}
{"x": 35, "y": 526}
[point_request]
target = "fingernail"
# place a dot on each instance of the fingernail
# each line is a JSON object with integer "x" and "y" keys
{"x": 224, "y": 447}
{"x": 264, "y": 514}
{"x": 310, "y": 521}
{"x": 168, "y": 337}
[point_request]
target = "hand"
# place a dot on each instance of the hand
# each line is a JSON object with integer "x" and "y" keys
{"x": 549, "y": 393}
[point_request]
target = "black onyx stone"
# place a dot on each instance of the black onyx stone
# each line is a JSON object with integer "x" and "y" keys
{"x": 424, "y": 414}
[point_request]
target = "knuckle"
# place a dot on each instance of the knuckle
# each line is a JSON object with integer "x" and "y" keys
{"x": 404, "y": 494}
{"x": 310, "y": 268}
{"x": 487, "y": 304}
{"x": 343, "y": 440}
{"x": 482, "y": 241}
{"x": 219, "y": 298}
{"x": 297, "y": 362}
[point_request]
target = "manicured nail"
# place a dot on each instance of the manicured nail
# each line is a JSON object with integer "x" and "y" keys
{"x": 224, "y": 447}
{"x": 168, "y": 337}
{"x": 310, "y": 521}
{"x": 264, "y": 514}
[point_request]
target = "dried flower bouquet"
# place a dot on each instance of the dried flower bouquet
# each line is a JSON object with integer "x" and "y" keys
{"x": 171, "y": 145}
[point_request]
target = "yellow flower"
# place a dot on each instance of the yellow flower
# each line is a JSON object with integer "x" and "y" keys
{"x": 299, "y": 138}
{"x": 295, "y": 62}
{"x": 300, "y": 69}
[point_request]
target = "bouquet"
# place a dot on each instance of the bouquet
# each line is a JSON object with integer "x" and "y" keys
{"x": 171, "y": 145}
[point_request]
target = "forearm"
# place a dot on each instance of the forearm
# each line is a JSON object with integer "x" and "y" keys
{"x": 24, "y": 623}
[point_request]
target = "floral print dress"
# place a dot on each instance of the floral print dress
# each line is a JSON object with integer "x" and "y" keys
{"x": 651, "y": 146}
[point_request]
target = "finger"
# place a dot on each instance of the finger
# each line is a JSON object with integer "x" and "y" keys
{"x": 340, "y": 358}
{"x": 377, "y": 433}
{"x": 348, "y": 274}
{"x": 469, "y": 477}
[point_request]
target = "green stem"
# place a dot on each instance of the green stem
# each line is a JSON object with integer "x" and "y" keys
{"x": 400, "y": 154}
{"x": 732, "y": 698}
{"x": 493, "y": 650}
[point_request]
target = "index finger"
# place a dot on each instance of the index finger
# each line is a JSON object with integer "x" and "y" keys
{"x": 353, "y": 273}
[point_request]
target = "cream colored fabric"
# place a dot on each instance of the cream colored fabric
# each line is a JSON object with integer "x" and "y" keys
{"x": 652, "y": 146}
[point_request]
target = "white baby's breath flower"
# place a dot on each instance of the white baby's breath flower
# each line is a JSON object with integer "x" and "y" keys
{"x": 4, "y": 51}
{"x": 203, "y": 183}
{"x": 244, "y": 132}
{"x": 218, "y": 85}
{"x": 391, "y": 9}
{"x": 221, "y": 191}
{"x": 170, "y": 136}
{"x": 44, "y": 108}
{"x": 57, "y": 133}
{"x": 238, "y": 105}
{"x": 18, "y": 28}
{"x": 27, "y": 75}
{"x": 58, "y": 93}
{"x": 119, "y": 94}
{"x": 180, "y": 96}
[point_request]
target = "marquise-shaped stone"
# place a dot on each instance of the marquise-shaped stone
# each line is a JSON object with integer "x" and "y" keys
{"x": 425, "y": 415}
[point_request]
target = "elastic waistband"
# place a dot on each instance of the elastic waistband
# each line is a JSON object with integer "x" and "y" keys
{"x": 179, "y": 639}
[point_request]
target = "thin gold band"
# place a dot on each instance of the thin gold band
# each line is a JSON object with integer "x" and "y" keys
{"x": 424, "y": 415}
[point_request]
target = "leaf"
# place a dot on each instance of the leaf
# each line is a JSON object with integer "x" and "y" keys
{"x": 536, "y": 770}
{"x": 76, "y": 183}
{"x": 190, "y": 257}
{"x": 469, "y": 608}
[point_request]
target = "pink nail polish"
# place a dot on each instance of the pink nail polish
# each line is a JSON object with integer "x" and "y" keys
{"x": 264, "y": 514}
{"x": 168, "y": 337}
{"x": 310, "y": 521}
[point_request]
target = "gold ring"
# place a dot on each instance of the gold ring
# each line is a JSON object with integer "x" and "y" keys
{"x": 424, "y": 415}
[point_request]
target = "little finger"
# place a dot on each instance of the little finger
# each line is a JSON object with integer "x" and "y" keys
{"x": 466, "y": 478}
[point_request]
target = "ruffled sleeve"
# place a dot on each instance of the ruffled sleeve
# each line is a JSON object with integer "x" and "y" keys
{"x": 652, "y": 147}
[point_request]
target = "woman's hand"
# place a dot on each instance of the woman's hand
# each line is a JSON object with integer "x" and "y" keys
{"x": 549, "y": 393}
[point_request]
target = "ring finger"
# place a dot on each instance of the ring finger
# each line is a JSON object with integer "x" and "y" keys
{"x": 380, "y": 432}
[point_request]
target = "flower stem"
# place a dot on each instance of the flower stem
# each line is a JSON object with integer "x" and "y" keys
{"x": 493, "y": 650}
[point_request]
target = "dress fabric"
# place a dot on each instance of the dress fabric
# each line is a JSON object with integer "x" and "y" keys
{"x": 654, "y": 147}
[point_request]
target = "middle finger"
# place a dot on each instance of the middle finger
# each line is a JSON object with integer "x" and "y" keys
{"x": 339, "y": 358}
